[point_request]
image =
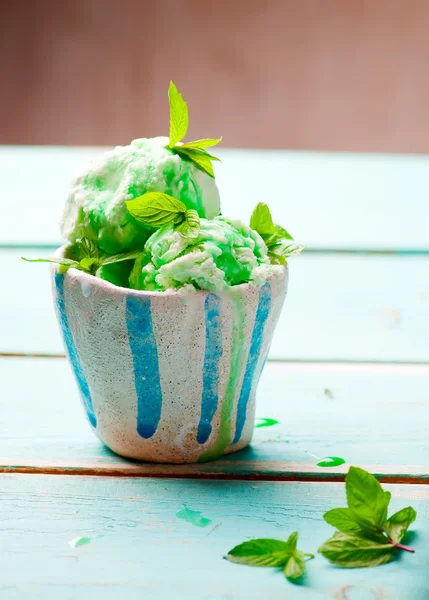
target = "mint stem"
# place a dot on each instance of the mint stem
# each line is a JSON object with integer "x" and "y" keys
{"x": 401, "y": 546}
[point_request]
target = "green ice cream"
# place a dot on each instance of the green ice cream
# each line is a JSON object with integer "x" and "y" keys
{"x": 95, "y": 207}
{"x": 225, "y": 253}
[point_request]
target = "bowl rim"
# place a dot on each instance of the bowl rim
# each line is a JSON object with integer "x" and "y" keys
{"x": 81, "y": 277}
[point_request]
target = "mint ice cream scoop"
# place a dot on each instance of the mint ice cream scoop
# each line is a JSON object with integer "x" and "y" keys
{"x": 223, "y": 254}
{"x": 95, "y": 207}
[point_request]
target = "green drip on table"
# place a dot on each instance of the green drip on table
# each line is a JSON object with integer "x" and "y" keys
{"x": 193, "y": 516}
{"x": 266, "y": 422}
{"x": 331, "y": 461}
{"x": 226, "y": 435}
{"x": 80, "y": 541}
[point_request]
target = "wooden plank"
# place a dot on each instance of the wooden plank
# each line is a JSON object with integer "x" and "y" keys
{"x": 337, "y": 308}
{"x": 140, "y": 548}
{"x": 328, "y": 200}
{"x": 375, "y": 417}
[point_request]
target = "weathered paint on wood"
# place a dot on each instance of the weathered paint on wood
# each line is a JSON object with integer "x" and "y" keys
{"x": 337, "y": 308}
{"x": 140, "y": 548}
{"x": 373, "y": 416}
{"x": 327, "y": 200}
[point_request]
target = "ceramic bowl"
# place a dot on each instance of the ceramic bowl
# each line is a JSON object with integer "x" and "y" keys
{"x": 167, "y": 377}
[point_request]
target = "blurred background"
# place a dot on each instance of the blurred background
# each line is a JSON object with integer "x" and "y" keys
{"x": 307, "y": 74}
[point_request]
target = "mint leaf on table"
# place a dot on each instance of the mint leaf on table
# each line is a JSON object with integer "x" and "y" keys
{"x": 366, "y": 537}
{"x": 276, "y": 238}
{"x": 366, "y": 499}
{"x": 267, "y": 552}
{"x": 295, "y": 566}
{"x": 192, "y": 151}
{"x": 343, "y": 520}
{"x": 396, "y": 527}
{"x": 348, "y": 550}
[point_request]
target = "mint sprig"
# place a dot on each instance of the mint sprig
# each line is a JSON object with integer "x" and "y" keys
{"x": 90, "y": 262}
{"x": 267, "y": 552}
{"x": 158, "y": 209}
{"x": 276, "y": 238}
{"x": 179, "y": 120}
{"x": 365, "y": 536}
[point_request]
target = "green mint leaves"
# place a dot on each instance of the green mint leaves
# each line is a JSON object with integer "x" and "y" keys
{"x": 90, "y": 261}
{"x": 277, "y": 239}
{"x": 158, "y": 209}
{"x": 179, "y": 117}
{"x": 192, "y": 151}
{"x": 266, "y": 552}
{"x": 365, "y": 537}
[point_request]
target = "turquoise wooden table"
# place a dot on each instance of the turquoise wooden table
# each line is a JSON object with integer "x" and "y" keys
{"x": 347, "y": 376}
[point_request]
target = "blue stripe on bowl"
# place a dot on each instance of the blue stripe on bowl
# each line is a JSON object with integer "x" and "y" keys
{"x": 262, "y": 313}
{"x": 72, "y": 351}
{"x": 212, "y": 355}
{"x": 146, "y": 367}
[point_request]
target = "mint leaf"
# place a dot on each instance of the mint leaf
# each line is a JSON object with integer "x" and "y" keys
{"x": 87, "y": 248}
{"x": 200, "y": 158}
{"x": 295, "y": 566}
{"x": 280, "y": 251}
{"x": 156, "y": 209}
{"x": 282, "y": 233}
{"x": 89, "y": 265}
{"x": 201, "y": 144}
{"x": 65, "y": 262}
{"x": 178, "y": 115}
{"x": 366, "y": 538}
{"x": 397, "y": 525}
{"x": 263, "y": 552}
{"x": 262, "y": 221}
{"x": 292, "y": 541}
{"x": 108, "y": 260}
{"x": 342, "y": 519}
{"x": 348, "y": 550}
{"x": 190, "y": 227}
{"x": 266, "y": 552}
{"x": 366, "y": 498}
{"x": 276, "y": 238}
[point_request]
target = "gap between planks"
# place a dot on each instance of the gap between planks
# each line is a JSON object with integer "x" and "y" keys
{"x": 165, "y": 471}
{"x": 335, "y": 364}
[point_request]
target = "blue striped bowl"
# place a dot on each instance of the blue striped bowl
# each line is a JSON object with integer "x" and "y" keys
{"x": 166, "y": 377}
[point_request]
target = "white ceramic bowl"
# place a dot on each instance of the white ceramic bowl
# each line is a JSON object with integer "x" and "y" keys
{"x": 165, "y": 377}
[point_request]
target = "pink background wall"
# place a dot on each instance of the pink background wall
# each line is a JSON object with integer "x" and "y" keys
{"x": 316, "y": 74}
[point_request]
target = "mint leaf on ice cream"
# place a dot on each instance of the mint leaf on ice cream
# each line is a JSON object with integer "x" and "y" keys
{"x": 192, "y": 151}
{"x": 202, "y": 144}
{"x": 157, "y": 209}
{"x": 178, "y": 115}
{"x": 275, "y": 237}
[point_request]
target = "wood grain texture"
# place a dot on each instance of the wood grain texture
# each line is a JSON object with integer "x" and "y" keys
{"x": 375, "y": 417}
{"x": 326, "y": 200}
{"x": 139, "y": 548}
{"x": 338, "y": 308}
